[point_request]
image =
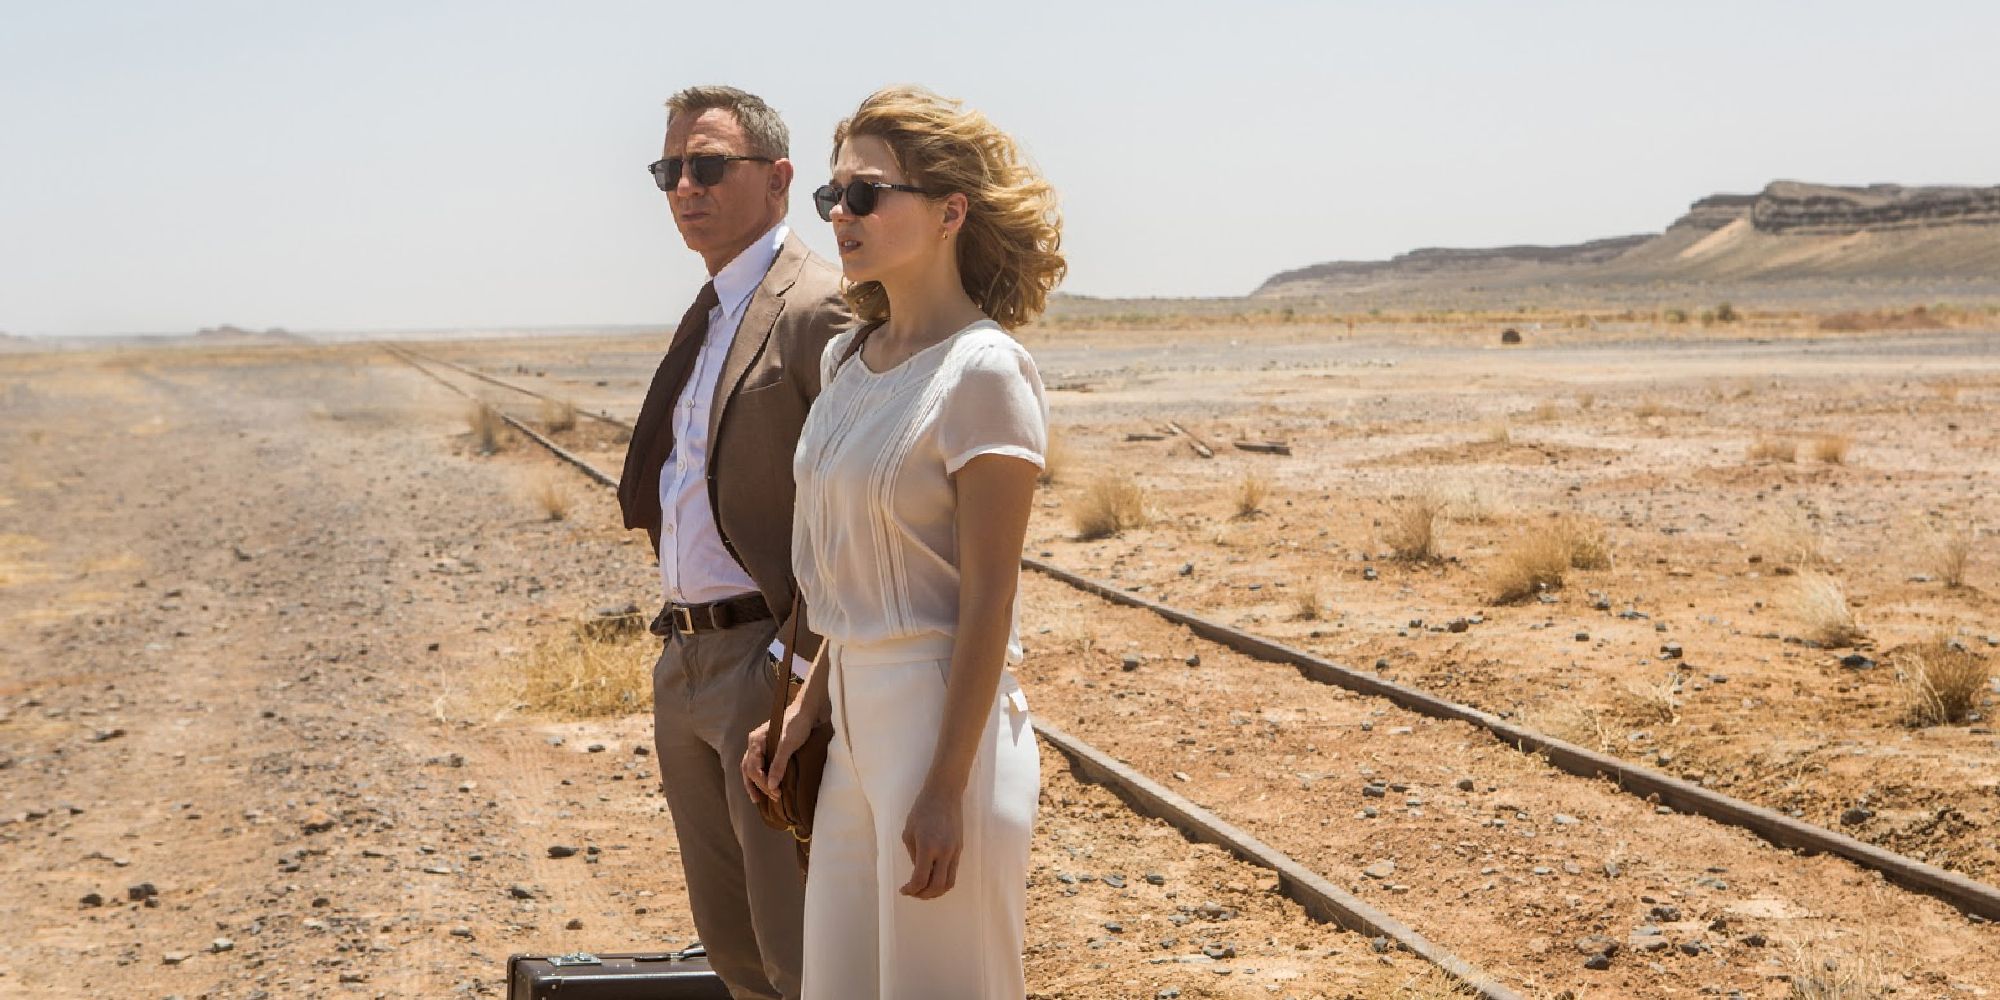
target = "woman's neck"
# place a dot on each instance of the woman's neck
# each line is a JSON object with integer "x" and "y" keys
{"x": 926, "y": 308}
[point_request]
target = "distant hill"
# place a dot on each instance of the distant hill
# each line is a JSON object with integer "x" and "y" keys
{"x": 226, "y": 334}
{"x": 1791, "y": 236}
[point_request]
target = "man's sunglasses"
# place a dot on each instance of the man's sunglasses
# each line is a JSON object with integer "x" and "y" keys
{"x": 859, "y": 195}
{"x": 707, "y": 169}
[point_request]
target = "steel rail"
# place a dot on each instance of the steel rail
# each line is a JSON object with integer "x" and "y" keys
{"x": 1320, "y": 898}
{"x": 1964, "y": 894}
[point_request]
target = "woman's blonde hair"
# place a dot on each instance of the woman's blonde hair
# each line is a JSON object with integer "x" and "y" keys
{"x": 1009, "y": 248}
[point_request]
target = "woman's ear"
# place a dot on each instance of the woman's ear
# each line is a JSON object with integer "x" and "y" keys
{"x": 955, "y": 205}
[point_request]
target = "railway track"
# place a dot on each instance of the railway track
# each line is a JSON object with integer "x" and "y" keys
{"x": 1645, "y": 793}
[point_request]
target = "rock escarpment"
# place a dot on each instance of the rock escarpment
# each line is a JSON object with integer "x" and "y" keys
{"x": 1789, "y": 232}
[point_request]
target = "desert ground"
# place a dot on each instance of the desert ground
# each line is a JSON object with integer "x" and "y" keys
{"x": 292, "y": 702}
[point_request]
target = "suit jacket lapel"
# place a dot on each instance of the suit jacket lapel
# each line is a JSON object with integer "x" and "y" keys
{"x": 759, "y": 318}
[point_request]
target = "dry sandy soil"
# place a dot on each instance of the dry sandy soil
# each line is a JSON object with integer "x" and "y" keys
{"x": 260, "y": 608}
{"x": 258, "y": 614}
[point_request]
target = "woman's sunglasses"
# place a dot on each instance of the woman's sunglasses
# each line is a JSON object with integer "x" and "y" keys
{"x": 859, "y": 195}
{"x": 707, "y": 169}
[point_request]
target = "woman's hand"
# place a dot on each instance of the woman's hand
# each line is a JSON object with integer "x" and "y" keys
{"x": 934, "y": 834}
{"x": 762, "y": 784}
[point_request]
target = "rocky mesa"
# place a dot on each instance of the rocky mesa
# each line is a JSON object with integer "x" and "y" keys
{"x": 1790, "y": 232}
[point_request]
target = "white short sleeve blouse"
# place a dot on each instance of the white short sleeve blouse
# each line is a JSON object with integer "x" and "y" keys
{"x": 874, "y": 526}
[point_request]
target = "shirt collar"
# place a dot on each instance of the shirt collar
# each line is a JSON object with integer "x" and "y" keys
{"x": 741, "y": 276}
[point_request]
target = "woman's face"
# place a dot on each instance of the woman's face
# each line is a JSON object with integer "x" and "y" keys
{"x": 903, "y": 232}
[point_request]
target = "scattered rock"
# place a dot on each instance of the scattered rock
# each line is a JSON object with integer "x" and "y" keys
{"x": 564, "y": 850}
{"x": 1130, "y": 663}
{"x": 1856, "y": 816}
{"x": 221, "y": 944}
{"x": 1380, "y": 869}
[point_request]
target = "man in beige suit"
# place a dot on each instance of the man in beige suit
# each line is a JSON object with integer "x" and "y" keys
{"x": 708, "y": 474}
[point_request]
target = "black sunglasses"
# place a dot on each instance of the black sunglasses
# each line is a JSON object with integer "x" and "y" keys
{"x": 708, "y": 169}
{"x": 859, "y": 195}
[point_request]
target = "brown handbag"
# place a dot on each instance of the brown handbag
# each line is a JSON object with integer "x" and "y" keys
{"x": 798, "y": 791}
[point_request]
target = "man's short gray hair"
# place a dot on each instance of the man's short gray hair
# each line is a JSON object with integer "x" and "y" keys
{"x": 767, "y": 132}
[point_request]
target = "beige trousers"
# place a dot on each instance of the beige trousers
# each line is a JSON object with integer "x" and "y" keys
{"x": 863, "y": 937}
{"x": 709, "y": 690}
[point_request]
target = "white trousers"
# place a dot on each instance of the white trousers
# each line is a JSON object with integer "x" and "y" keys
{"x": 862, "y": 937}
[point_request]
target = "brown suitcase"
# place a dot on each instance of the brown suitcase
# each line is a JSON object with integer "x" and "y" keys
{"x": 669, "y": 975}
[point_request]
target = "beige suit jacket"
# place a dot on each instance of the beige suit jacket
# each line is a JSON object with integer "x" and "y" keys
{"x": 769, "y": 379}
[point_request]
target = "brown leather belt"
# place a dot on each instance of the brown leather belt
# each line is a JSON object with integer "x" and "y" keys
{"x": 688, "y": 619}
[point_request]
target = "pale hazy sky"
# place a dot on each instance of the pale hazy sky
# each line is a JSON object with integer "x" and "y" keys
{"x": 411, "y": 165}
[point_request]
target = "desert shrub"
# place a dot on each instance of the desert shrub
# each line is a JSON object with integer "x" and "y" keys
{"x": 1942, "y": 681}
{"x": 550, "y": 494}
{"x": 485, "y": 424}
{"x": 1818, "y": 604}
{"x": 1250, "y": 494}
{"x": 1111, "y": 505}
{"x": 1589, "y": 545}
{"x": 1947, "y": 550}
{"x": 1789, "y": 538}
{"x": 1832, "y": 448}
{"x": 1306, "y": 604}
{"x": 1055, "y": 458}
{"x": 1819, "y": 971}
{"x": 1774, "y": 449}
{"x": 558, "y": 415}
{"x": 568, "y": 675}
{"x": 1411, "y": 528}
{"x": 1528, "y": 565}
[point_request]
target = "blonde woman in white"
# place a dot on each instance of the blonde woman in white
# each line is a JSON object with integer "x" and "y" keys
{"x": 915, "y": 473}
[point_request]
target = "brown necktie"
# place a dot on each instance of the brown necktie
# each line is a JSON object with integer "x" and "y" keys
{"x": 653, "y": 433}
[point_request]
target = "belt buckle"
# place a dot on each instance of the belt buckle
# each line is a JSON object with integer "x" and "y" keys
{"x": 683, "y": 619}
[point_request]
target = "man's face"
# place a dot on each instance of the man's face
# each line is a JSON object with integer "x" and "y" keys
{"x": 719, "y": 220}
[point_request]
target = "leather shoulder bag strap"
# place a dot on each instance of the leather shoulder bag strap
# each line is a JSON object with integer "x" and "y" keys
{"x": 781, "y": 682}
{"x": 781, "y": 676}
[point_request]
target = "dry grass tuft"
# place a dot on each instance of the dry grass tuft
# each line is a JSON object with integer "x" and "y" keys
{"x": 558, "y": 415}
{"x": 1589, "y": 544}
{"x": 1818, "y": 603}
{"x": 1111, "y": 505}
{"x": 1305, "y": 604}
{"x": 568, "y": 676}
{"x": 1430, "y": 983}
{"x": 1055, "y": 459}
{"x": 1250, "y": 495}
{"x": 1788, "y": 538}
{"x": 1587, "y": 726}
{"x": 1654, "y": 704}
{"x": 1947, "y": 552}
{"x": 1498, "y": 432}
{"x": 1545, "y": 412}
{"x": 1832, "y": 448}
{"x": 551, "y": 495}
{"x": 1942, "y": 681}
{"x": 1411, "y": 529}
{"x": 1773, "y": 449}
{"x": 486, "y": 426}
{"x": 1820, "y": 972}
{"x": 1530, "y": 564}
{"x": 1649, "y": 408}
{"x": 1586, "y": 400}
